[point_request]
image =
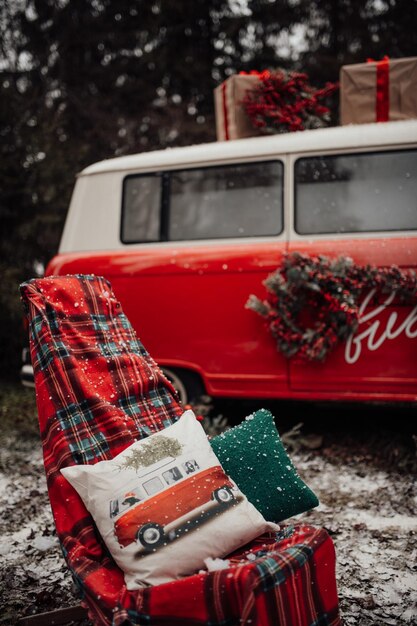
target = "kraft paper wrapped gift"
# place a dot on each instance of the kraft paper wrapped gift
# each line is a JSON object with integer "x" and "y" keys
{"x": 231, "y": 119}
{"x": 378, "y": 91}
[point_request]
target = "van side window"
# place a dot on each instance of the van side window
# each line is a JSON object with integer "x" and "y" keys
{"x": 356, "y": 193}
{"x": 141, "y": 203}
{"x": 241, "y": 200}
{"x": 153, "y": 485}
{"x": 172, "y": 475}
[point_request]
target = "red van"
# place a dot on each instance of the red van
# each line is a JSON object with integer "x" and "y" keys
{"x": 185, "y": 236}
{"x": 153, "y": 521}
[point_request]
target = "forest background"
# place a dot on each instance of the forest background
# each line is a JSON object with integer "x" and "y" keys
{"x": 85, "y": 80}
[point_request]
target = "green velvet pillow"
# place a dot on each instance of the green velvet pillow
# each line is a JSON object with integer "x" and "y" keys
{"x": 254, "y": 457}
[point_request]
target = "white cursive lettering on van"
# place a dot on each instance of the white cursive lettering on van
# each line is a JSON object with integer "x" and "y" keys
{"x": 374, "y": 332}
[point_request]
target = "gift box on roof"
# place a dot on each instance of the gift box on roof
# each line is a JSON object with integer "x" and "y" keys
{"x": 378, "y": 91}
{"x": 231, "y": 119}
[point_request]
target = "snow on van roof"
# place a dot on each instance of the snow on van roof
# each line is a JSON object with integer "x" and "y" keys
{"x": 339, "y": 137}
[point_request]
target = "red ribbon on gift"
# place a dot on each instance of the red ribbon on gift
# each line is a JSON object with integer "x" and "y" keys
{"x": 261, "y": 75}
{"x": 225, "y": 122}
{"x": 382, "y": 89}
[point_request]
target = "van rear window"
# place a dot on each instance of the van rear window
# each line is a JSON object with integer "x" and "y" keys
{"x": 356, "y": 193}
{"x": 242, "y": 200}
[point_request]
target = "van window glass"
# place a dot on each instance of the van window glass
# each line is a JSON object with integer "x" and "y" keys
{"x": 356, "y": 193}
{"x": 114, "y": 508}
{"x": 243, "y": 200}
{"x": 153, "y": 485}
{"x": 172, "y": 475}
{"x": 141, "y": 208}
{"x": 190, "y": 466}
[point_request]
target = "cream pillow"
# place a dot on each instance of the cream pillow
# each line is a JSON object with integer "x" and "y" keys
{"x": 164, "y": 505}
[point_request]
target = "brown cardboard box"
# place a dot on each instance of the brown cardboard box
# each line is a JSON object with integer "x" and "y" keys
{"x": 231, "y": 119}
{"x": 378, "y": 91}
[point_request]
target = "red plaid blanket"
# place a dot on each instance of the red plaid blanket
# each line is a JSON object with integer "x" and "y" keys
{"x": 98, "y": 390}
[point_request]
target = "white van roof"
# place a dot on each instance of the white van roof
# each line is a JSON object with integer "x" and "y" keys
{"x": 335, "y": 138}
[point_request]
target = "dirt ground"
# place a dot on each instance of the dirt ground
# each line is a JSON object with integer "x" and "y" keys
{"x": 365, "y": 481}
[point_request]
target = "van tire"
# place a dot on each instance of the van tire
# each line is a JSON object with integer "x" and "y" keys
{"x": 151, "y": 535}
{"x": 188, "y": 384}
{"x": 224, "y": 495}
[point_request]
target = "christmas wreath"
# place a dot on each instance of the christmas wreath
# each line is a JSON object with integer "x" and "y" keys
{"x": 285, "y": 101}
{"x": 313, "y": 302}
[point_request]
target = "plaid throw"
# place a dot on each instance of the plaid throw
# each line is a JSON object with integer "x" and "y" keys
{"x": 98, "y": 391}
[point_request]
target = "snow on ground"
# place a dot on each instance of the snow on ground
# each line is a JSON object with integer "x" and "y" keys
{"x": 33, "y": 575}
{"x": 370, "y": 515}
{"x": 368, "y": 511}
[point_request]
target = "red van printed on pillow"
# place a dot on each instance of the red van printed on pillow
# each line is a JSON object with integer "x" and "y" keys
{"x": 169, "y": 501}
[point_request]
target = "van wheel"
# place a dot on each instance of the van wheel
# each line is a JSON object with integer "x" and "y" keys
{"x": 188, "y": 385}
{"x": 151, "y": 535}
{"x": 224, "y": 495}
